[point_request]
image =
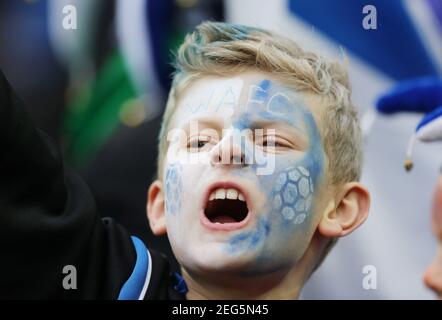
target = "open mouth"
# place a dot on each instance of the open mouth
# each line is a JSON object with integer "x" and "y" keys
{"x": 226, "y": 208}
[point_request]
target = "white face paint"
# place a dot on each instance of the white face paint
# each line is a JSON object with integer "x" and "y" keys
{"x": 214, "y": 96}
{"x": 234, "y": 117}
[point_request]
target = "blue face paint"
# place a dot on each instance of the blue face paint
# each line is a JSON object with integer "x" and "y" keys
{"x": 282, "y": 117}
{"x": 279, "y": 103}
{"x": 261, "y": 94}
{"x": 173, "y": 188}
{"x": 292, "y": 194}
{"x": 243, "y": 122}
{"x": 250, "y": 239}
{"x": 281, "y": 234}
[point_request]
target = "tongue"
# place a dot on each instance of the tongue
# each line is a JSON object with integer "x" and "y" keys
{"x": 223, "y": 219}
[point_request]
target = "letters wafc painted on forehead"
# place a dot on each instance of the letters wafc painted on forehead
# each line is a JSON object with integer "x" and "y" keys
{"x": 214, "y": 96}
{"x": 241, "y": 102}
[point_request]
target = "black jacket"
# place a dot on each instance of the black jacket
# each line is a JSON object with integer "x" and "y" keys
{"x": 48, "y": 220}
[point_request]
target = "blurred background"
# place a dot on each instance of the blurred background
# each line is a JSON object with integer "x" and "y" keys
{"x": 100, "y": 90}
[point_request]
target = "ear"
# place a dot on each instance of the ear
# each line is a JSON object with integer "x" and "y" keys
{"x": 156, "y": 208}
{"x": 346, "y": 212}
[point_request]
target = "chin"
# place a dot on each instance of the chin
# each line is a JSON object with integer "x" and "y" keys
{"x": 214, "y": 259}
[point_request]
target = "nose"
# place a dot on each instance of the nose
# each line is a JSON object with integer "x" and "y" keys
{"x": 228, "y": 152}
{"x": 433, "y": 274}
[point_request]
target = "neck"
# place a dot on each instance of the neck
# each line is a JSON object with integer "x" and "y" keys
{"x": 281, "y": 285}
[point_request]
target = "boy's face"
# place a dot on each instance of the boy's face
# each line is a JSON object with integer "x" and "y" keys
{"x": 243, "y": 175}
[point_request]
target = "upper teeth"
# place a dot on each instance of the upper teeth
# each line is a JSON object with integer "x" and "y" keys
{"x": 229, "y": 193}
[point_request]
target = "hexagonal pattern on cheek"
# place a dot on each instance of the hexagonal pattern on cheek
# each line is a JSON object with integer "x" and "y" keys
{"x": 173, "y": 188}
{"x": 293, "y": 193}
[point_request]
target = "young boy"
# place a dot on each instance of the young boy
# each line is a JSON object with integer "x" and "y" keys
{"x": 259, "y": 158}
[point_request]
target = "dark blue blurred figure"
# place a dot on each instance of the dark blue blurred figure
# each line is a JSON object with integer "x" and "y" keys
{"x": 28, "y": 61}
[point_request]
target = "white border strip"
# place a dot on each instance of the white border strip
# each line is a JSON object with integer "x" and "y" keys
{"x": 148, "y": 275}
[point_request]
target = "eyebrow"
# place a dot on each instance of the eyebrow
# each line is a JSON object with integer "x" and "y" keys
{"x": 275, "y": 117}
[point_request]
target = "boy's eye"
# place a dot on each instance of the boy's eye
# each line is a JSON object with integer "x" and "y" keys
{"x": 201, "y": 143}
{"x": 272, "y": 142}
{"x": 197, "y": 144}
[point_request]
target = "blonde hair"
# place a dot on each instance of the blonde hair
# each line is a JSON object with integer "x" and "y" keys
{"x": 216, "y": 48}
